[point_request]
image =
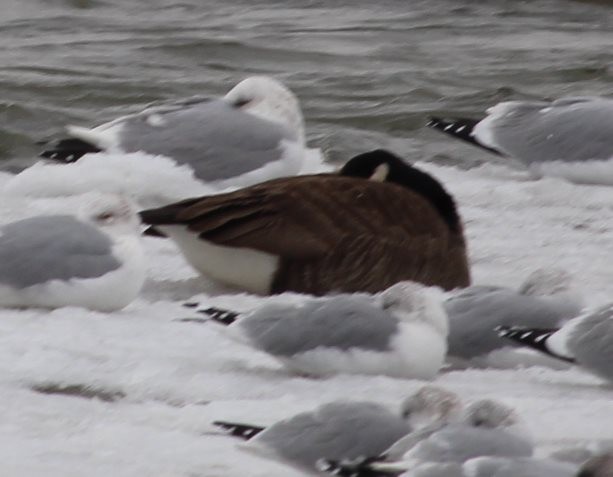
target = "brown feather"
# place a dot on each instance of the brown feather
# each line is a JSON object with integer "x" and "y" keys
{"x": 332, "y": 233}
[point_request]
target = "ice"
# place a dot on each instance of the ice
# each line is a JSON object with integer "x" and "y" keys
{"x": 133, "y": 393}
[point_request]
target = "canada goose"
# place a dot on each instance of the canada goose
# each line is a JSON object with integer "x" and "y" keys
{"x": 325, "y": 233}
{"x": 254, "y": 133}
{"x": 570, "y": 137}
{"x": 94, "y": 260}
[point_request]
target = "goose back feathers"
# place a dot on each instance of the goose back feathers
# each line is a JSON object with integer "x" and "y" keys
{"x": 331, "y": 232}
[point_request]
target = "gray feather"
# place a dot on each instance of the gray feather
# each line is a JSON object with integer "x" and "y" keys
{"x": 342, "y": 322}
{"x": 39, "y": 249}
{"x": 591, "y": 342}
{"x": 476, "y": 311}
{"x": 336, "y": 431}
{"x": 459, "y": 443}
{"x": 570, "y": 129}
{"x": 215, "y": 139}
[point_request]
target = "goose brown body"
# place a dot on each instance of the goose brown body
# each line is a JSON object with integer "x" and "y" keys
{"x": 332, "y": 233}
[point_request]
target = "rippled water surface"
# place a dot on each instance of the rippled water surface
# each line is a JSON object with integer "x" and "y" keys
{"x": 368, "y": 73}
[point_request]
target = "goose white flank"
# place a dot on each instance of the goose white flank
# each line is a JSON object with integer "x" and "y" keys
{"x": 93, "y": 261}
{"x": 570, "y": 137}
{"x": 403, "y": 332}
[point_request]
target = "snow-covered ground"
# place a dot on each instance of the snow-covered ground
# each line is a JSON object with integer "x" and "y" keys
{"x": 133, "y": 393}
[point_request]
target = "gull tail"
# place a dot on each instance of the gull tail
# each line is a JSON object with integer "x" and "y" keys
{"x": 360, "y": 467}
{"x": 69, "y": 150}
{"x": 534, "y": 338}
{"x": 461, "y": 128}
{"x": 224, "y": 317}
{"x": 243, "y": 431}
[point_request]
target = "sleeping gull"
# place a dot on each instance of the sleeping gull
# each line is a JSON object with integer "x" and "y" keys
{"x": 344, "y": 429}
{"x": 400, "y": 333}
{"x": 94, "y": 261}
{"x": 570, "y": 137}
{"x": 488, "y": 428}
{"x": 586, "y": 341}
{"x": 165, "y": 153}
{"x": 545, "y": 300}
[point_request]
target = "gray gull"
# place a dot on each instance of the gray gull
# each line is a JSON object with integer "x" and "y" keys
{"x": 344, "y": 430}
{"x": 569, "y": 137}
{"x": 402, "y": 332}
{"x": 94, "y": 260}
{"x": 545, "y": 300}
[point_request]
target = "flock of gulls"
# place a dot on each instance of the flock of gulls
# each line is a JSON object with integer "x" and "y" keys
{"x": 377, "y": 248}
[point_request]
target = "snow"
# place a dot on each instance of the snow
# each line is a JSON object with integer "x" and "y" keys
{"x": 160, "y": 382}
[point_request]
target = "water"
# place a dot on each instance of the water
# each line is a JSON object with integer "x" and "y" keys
{"x": 368, "y": 73}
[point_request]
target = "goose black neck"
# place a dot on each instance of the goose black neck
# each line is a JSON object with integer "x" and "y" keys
{"x": 410, "y": 177}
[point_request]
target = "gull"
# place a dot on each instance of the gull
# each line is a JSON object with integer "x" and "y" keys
{"x": 344, "y": 429}
{"x": 569, "y": 137}
{"x": 546, "y": 299}
{"x": 488, "y": 428}
{"x": 94, "y": 260}
{"x": 402, "y": 332}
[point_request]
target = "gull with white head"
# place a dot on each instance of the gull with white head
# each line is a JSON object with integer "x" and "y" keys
{"x": 94, "y": 260}
{"x": 401, "y": 332}
{"x": 254, "y": 133}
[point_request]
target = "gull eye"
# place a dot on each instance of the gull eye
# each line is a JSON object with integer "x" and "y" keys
{"x": 104, "y": 217}
{"x": 239, "y": 103}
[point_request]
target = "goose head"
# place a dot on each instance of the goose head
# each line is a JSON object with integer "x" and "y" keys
{"x": 381, "y": 165}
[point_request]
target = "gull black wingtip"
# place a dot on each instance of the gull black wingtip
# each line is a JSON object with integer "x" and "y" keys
{"x": 532, "y": 338}
{"x": 220, "y": 315}
{"x": 361, "y": 467}
{"x": 460, "y": 128}
{"x": 243, "y": 431}
{"x": 69, "y": 150}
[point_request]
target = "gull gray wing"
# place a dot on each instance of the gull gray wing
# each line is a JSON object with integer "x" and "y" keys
{"x": 342, "y": 322}
{"x": 475, "y": 312}
{"x": 460, "y": 443}
{"x": 339, "y": 430}
{"x": 524, "y": 467}
{"x": 36, "y": 250}
{"x": 591, "y": 342}
{"x": 217, "y": 140}
{"x": 569, "y": 129}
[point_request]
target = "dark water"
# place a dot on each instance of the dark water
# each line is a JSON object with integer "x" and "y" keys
{"x": 368, "y": 73}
